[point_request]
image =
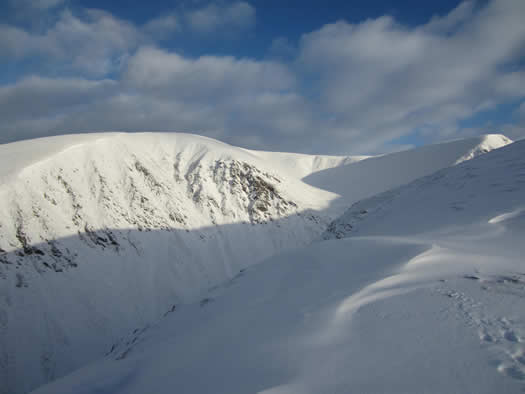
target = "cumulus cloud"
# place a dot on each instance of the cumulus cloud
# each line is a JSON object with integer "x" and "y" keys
{"x": 383, "y": 79}
{"x": 232, "y": 99}
{"x": 37, "y": 90}
{"x": 217, "y": 16}
{"x": 453, "y": 20}
{"x": 169, "y": 74}
{"x": 94, "y": 42}
{"x": 346, "y": 88}
{"x": 34, "y": 106}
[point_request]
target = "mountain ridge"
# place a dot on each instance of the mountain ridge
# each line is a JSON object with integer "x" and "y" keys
{"x": 171, "y": 214}
{"x": 424, "y": 293}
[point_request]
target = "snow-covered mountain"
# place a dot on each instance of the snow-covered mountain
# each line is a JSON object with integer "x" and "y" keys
{"x": 366, "y": 178}
{"x": 424, "y": 292}
{"x": 102, "y": 234}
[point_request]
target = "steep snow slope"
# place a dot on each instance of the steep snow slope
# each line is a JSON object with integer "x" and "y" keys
{"x": 476, "y": 191}
{"x": 364, "y": 178}
{"x": 102, "y": 233}
{"x": 426, "y": 295}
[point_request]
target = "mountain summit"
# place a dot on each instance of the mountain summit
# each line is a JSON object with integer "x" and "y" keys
{"x": 103, "y": 234}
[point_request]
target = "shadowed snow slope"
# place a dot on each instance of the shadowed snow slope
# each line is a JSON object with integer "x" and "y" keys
{"x": 364, "y": 178}
{"x": 101, "y": 234}
{"x": 424, "y": 295}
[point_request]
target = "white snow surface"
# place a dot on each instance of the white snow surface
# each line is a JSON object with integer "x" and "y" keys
{"x": 103, "y": 234}
{"x": 424, "y": 293}
{"x": 364, "y": 178}
{"x": 300, "y": 165}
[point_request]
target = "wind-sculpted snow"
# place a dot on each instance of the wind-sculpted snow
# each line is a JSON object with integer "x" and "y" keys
{"x": 425, "y": 293}
{"x": 463, "y": 194}
{"x": 103, "y": 234}
{"x": 365, "y": 178}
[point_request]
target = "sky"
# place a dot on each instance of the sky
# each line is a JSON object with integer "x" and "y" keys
{"x": 330, "y": 77}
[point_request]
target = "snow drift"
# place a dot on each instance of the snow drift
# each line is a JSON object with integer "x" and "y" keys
{"x": 423, "y": 293}
{"x": 104, "y": 233}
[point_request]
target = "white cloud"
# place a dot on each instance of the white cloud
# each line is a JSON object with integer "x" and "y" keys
{"x": 36, "y": 4}
{"x": 386, "y": 79}
{"x": 516, "y": 131}
{"x": 170, "y": 74}
{"x": 521, "y": 111}
{"x": 218, "y": 16}
{"x": 351, "y": 89}
{"x": 15, "y": 42}
{"x": 451, "y": 21}
{"x": 163, "y": 26}
{"x": 33, "y": 106}
{"x": 237, "y": 100}
{"x": 32, "y": 95}
{"x": 510, "y": 84}
{"x": 94, "y": 42}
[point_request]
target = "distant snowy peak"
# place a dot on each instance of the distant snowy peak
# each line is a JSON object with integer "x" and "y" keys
{"x": 486, "y": 143}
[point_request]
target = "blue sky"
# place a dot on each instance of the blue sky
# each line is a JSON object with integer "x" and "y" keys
{"x": 310, "y": 76}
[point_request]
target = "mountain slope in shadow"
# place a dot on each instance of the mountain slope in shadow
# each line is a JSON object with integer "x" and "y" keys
{"x": 373, "y": 175}
{"x": 424, "y": 294}
{"x": 101, "y": 234}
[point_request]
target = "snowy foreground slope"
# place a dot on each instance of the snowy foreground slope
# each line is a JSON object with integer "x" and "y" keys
{"x": 103, "y": 234}
{"x": 423, "y": 293}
